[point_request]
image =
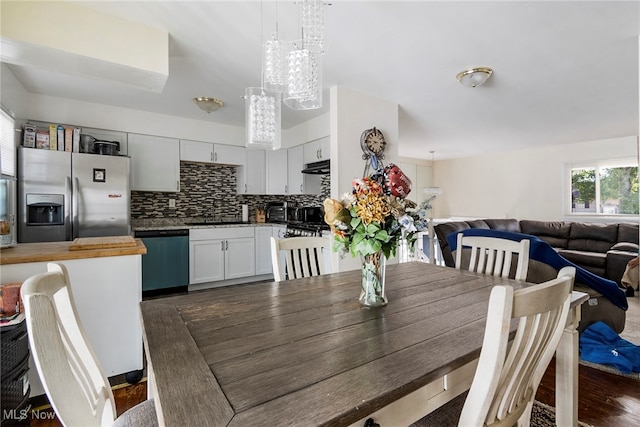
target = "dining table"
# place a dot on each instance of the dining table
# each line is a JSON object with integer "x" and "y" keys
{"x": 303, "y": 352}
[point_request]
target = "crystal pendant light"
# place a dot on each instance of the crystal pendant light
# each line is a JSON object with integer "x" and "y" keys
{"x": 313, "y": 25}
{"x": 263, "y": 115}
{"x": 273, "y": 64}
{"x": 303, "y": 85}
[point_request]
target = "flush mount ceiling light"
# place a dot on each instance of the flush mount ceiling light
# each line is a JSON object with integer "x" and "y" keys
{"x": 474, "y": 77}
{"x": 208, "y": 104}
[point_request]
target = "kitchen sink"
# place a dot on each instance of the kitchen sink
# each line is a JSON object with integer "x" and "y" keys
{"x": 216, "y": 223}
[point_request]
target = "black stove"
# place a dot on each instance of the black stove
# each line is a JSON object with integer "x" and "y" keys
{"x": 300, "y": 228}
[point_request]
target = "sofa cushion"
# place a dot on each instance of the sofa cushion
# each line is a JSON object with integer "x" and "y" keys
{"x": 511, "y": 224}
{"x": 555, "y": 233}
{"x": 626, "y": 247}
{"x": 592, "y": 237}
{"x": 586, "y": 259}
{"x": 628, "y": 233}
{"x": 442, "y": 231}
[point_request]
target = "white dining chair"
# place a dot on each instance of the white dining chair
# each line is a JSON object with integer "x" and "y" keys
{"x": 493, "y": 255}
{"x": 71, "y": 375}
{"x": 303, "y": 257}
{"x": 508, "y": 373}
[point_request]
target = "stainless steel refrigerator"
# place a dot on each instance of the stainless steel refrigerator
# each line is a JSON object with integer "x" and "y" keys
{"x": 64, "y": 195}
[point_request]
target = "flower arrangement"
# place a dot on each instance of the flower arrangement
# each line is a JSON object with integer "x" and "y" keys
{"x": 374, "y": 217}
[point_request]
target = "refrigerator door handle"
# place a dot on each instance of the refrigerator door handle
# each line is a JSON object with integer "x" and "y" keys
{"x": 67, "y": 214}
{"x": 76, "y": 222}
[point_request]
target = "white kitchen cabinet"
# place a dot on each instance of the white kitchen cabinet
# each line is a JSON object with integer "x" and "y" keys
{"x": 207, "y": 152}
{"x": 295, "y": 164}
{"x": 196, "y": 151}
{"x": 155, "y": 163}
{"x": 251, "y": 176}
{"x": 221, "y": 253}
{"x": 277, "y": 172}
{"x": 107, "y": 293}
{"x": 229, "y": 154}
{"x": 263, "y": 249}
{"x": 317, "y": 150}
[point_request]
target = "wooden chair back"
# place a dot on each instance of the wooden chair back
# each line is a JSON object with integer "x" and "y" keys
{"x": 493, "y": 255}
{"x": 508, "y": 375}
{"x": 304, "y": 257}
{"x": 76, "y": 385}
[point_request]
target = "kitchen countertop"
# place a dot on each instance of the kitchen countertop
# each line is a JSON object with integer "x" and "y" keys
{"x": 59, "y": 251}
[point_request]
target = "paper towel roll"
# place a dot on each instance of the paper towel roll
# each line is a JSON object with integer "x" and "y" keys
{"x": 245, "y": 213}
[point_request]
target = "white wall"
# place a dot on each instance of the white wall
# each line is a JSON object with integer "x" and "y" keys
{"x": 523, "y": 184}
{"x": 351, "y": 114}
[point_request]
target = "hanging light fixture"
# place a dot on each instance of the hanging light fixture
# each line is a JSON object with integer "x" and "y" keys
{"x": 303, "y": 67}
{"x": 313, "y": 25}
{"x": 208, "y": 104}
{"x": 263, "y": 111}
{"x": 263, "y": 105}
{"x": 273, "y": 61}
{"x": 303, "y": 86}
{"x": 474, "y": 77}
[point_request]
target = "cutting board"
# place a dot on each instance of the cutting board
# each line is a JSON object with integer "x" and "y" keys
{"x": 109, "y": 242}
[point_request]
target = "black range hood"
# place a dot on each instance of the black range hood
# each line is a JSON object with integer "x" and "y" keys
{"x": 317, "y": 168}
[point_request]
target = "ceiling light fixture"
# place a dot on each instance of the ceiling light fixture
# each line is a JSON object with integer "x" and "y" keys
{"x": 208, "y": 104}
{"x": 474, "y": 76}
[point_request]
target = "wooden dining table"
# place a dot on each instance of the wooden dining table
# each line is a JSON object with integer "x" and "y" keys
{"x": 304, "y": 353}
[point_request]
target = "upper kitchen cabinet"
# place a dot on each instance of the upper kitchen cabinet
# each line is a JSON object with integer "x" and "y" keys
{"x": 206, "y": 152}
{"x": 277, "y": 172}
{"x": 196, "y": 151}
{"x": 251, "y": 176}
{"x": 295, "y": 164}
{"x": 155, "y": 163}
{"x": 317, "y": 150}
{"x": 229, "y": 154}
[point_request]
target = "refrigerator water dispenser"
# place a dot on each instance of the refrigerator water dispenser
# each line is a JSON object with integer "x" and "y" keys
{"x": 45, "y": 209}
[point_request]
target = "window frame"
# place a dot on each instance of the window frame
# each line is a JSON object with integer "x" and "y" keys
{"x": 597, "y": 165}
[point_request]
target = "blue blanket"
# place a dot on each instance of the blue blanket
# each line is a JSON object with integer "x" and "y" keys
{"x": 600, "y": 344}
{"x": 540, "y": 250}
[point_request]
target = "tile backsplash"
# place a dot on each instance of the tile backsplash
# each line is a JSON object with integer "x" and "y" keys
{"x": 210, "y": 191}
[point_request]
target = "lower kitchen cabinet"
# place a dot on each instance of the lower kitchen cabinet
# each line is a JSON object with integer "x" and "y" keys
{"x": 263, "y": 250}
{"x": 221, "y": 253}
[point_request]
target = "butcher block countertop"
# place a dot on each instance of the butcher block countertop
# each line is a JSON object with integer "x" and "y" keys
{"x": 92, "y": 247}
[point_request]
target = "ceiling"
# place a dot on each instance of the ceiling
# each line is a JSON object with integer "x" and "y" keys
{"x": 564, "y": 72}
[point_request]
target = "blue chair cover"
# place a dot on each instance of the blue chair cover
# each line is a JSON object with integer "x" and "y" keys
{"x": 540, "y": 250}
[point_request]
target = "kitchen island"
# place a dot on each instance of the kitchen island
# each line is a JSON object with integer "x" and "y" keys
{"x": 107, "y": 288}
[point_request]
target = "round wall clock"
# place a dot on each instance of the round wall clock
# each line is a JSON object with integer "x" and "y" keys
{"x": 372, "y": 142}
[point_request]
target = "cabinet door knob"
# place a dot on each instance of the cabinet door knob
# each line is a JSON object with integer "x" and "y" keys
{"x": 222, "y": 245}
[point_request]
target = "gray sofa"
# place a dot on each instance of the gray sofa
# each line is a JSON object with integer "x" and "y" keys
{"x": 602, "y": 249}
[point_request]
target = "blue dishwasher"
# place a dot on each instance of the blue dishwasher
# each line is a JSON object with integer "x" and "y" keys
{"x": 165, "y": 266}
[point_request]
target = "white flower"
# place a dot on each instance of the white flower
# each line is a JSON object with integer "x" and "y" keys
{"x": 407, "y": 223}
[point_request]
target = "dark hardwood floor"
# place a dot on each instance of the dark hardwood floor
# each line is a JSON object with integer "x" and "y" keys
{"x": 605, "y": 400}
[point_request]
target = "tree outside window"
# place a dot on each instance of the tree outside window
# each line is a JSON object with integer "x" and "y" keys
{"x": 605, "y": 189}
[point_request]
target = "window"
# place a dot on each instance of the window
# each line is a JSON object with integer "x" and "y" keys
{"x": 606, "y": 187}
{"x": 7, "y": 146}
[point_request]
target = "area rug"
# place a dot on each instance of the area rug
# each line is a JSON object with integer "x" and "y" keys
{"x": 447, "y": 416}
